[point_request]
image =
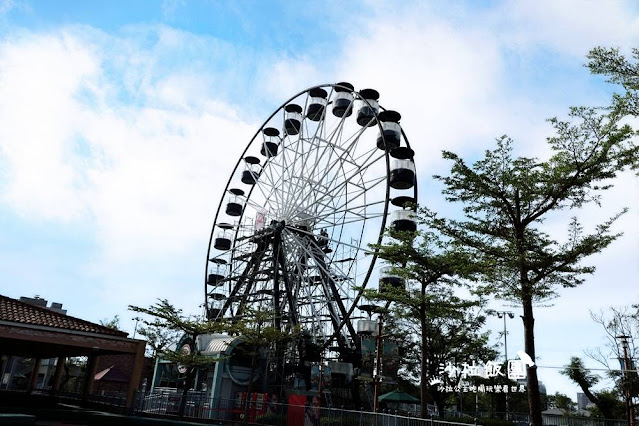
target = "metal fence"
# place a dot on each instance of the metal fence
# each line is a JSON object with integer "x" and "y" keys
{"x": 198, "y": 406}
{"x": 523, "y": 419}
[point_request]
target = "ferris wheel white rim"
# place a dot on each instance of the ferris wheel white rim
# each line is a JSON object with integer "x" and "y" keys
{"x": 280, "y": 194}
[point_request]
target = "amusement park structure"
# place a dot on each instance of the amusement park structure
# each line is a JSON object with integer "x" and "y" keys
{"x": 314, "y": 190}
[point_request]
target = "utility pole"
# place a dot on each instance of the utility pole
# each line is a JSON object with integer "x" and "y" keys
{"x": 630, "y": 409}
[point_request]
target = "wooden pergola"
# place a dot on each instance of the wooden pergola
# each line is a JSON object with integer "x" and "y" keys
{"x": 35, "y": 332}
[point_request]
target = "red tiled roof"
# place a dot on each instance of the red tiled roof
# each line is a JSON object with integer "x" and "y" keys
{"x": 24, "y": 313}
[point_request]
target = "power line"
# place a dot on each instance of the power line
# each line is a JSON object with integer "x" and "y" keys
{"x": 589, "y": 369}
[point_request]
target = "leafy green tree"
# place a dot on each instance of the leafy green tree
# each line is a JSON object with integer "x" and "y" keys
{"x": 426, "y": 307}
{"x": 164, "y": 316}
{"x": 113, "y": 323}
{"x": 158, "y": 339}
{"x": 506, "y": 199}
{"x": 256, "y": 328}
{"x": 612, "y": 400}
{"x": 453, "y": 334}
{"x": 579, "y": 374}
{"x": 619, "y": 70}
{"x": 562, "y": 402}
{"x": 258, "y": 331}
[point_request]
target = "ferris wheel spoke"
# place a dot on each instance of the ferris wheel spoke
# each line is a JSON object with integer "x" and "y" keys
{"x": 326, "y": 146}
{"x": 285, "y": 167}
{"x": 249, "y": 272}
{"x": 331, "y": 192}
{"x": 311, "y": 249}
{"x": 261, "y": 187}
{"x": 327, "y": 278}
{"x": 356, "y": 219}
{"x": 259, "y": 208}
{"x": 280, "y": 260}
{"x": 348, "y": 206}
{"x": 361, "y": 192}
{"x": 350, "y": 178}
{"x": 274, "y": 183}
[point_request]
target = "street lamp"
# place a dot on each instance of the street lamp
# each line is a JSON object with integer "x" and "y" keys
{"x": 504, "y": 314}
{"x": 135, "y": 330}
{"x": 380, "y": 311}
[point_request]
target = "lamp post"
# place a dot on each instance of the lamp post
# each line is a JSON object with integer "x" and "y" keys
{"x": 378, "y": 362}
{"x": 135, "y": 330}
{"x": 504, "y": 315}
{"x": 380, "y": 311}
{"x": 630, "y": 411}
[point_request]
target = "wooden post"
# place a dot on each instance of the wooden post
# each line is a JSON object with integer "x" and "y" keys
{"x": 57, "y": 376}
{"x": 34, "y": 375}
{"x": 92, "y": 366}
{"x": 134, "y": 380}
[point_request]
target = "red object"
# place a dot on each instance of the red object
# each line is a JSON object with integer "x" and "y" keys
{"x": 296, "y": 405}
{"x": 256, "y": 405}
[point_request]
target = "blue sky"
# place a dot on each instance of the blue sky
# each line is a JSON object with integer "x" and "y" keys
{"x": 120, "y": 122}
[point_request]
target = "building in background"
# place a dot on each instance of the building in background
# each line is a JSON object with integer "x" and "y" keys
{"x": 583, "y": 403}
{"x": 38, "y": 301}
{"x": 15, "y": 371}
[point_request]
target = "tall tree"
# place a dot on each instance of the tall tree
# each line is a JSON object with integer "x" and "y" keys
{"x": 428, "y": 268}
{"x": 453, "y": 334}
{"x": 579, "y": 374}
{"x": 259, "y": 333}
{"x": 619, "y": 70}
{"x": 506, "y": 199}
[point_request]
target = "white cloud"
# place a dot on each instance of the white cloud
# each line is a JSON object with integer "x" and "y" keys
{"x": 38, "y": 121}
{"x": 570, "y": 27}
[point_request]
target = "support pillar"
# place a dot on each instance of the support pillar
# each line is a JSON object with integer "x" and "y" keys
{"x": 57, "y": 376}
{"x": 134, "y": 380}
{"x": 34, "y": 375}
{"x": 92, "y": 366}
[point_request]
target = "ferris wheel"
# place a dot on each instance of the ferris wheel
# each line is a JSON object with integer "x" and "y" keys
{"x": 320, "y": 181}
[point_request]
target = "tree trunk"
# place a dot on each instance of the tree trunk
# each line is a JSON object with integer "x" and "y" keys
{"x": 185, "y": 392}
{"x": 534, "y": 397}
{"x": 438, "y": 398}
{"x": 603, "y": 407}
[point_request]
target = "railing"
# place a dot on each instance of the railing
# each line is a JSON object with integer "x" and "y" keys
{"x": 523, "y": 419}
{"x": 200, "y": 406}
